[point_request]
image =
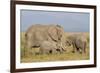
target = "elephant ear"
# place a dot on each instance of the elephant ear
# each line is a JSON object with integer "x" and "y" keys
{"x": 52, "y": 31}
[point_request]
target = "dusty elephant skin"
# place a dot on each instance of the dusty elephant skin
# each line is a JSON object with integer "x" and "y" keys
{"x": 78, "y": 42}
{"x": 38, "y": 33}
{"x": 48, "y": 47}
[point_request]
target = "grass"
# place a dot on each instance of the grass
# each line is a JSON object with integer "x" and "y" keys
{"x": 66, "y": 56}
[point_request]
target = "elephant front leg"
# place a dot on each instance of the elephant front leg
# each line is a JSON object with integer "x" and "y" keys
{"x": 74, "y": 48}
{"x": 83, "y": 48}
{"x": 73, "y": 51}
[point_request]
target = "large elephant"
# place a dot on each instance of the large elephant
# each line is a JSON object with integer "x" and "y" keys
{"x": 48, "y": 47}
{"x": 78, "y": 42}
{"x": 38, "y": 33}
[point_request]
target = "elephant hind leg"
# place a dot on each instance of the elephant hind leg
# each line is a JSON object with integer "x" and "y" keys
{"x": 84, "y": 48}
{"x": 74, "y": 48}
{"x": 79, "y": 50}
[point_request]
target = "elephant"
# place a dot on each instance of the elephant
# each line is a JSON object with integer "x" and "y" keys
{"x": 78, "y": 42}
{"x": 49, "y": 47}
{"x": 38, "y": 33}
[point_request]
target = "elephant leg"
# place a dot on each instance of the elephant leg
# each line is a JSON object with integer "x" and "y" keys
{"x": 73, "y": 51}
{"x": 47, "y": 51}
{"x": 74, "y": 48}
{"x": 80, "y": 50}
{"x": 84, "y": 49}
{"x": 77, "y": 49}
{"x": 41, "y": 51}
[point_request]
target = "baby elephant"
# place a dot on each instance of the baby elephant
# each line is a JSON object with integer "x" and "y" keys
{"x": 48, "y": 47}
{"x": 78, "y": 42}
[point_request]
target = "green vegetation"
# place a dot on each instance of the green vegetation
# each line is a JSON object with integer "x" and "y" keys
{"x": 67, "y": 55}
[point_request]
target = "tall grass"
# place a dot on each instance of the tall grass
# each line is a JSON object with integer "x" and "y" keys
{"x": 67, "y": 55}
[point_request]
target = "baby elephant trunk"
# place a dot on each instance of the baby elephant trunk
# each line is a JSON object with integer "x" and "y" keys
{"x": 60, "y": 47}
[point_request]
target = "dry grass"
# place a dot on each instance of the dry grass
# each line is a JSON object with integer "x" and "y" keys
{"x": 67, "y": 55}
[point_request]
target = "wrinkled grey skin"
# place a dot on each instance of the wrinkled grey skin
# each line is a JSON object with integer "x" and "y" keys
{"x": 48, "y": 47}
{"x": 38, "y": 33}
{"x": 78, "y": 42}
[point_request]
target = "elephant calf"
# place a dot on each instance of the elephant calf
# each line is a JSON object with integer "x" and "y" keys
{"x": 78, "y": 42}
{"x": 48, "y": 47}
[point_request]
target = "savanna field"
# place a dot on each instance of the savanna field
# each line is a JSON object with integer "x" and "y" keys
{"x": 65, "y": 56}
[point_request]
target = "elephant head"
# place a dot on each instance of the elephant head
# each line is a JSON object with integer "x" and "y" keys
{"x": 56, "y": 33}
{"x": 68, "y": 42}
{"x": 71, "y": 39}
{"x": 78, "y": 42}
